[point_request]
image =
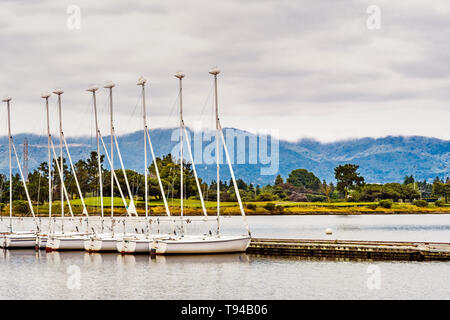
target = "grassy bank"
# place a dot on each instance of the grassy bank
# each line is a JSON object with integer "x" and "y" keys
{"x": 193, "y": 207}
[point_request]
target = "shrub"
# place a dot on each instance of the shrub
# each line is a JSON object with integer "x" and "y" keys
{"x": 420, "y": 203}
{"x": 439, "y": 203}
{"x": 21, "y": 206}
{"x": 387, "y": 204}
{"x": 373, "y": 206}
{"x": 316, "y": 198}
{"x": 250, "y": 206}
{"x": 298, "y": 197}
{"x": 279, "y": 208}
{"x": 140, "y": 205}
{"x": 265, "y": 196}
{"x": 269, "y": 206}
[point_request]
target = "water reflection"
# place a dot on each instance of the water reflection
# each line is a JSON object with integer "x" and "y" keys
{"x": 202, "y": 259}
{"x": 3, "y": 254}
{"x": 127, "y": 261}
{"x": 93, "y": 259}
{"x": 292, "y": 258}
{"x": 8, "y": 255}
{"x": 53, "y": 258}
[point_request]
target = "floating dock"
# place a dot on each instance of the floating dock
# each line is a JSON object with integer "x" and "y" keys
{"x": 376, "y": 250}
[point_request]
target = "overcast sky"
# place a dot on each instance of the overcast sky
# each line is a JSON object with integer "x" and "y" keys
{"x": 293, "y": 68}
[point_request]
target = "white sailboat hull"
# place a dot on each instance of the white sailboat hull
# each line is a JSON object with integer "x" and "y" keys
{"x": 138, "y": 244}
{"x": 204, "y": 245}
{"x": 134, "y": 246}
{"x": 101, "y": 244}
{"x": 66, "y": 242}
{"x": 18, "y": 241}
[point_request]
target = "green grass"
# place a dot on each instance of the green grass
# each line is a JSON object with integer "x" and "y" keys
{"x": 95, "y": 202}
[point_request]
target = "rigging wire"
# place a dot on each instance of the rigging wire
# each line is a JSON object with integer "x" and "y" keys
{"x": 172, "y": 109}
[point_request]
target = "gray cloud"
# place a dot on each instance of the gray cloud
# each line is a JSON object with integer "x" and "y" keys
{"x": 285, "y": 60}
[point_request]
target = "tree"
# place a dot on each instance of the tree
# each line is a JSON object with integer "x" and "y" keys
{"x": 304, "y": 178}
{"x": 408, "y": 180}
{"x": 441, "y": 190}
{"x": 56, "y": 184}
{"x": 279, "y": 180}
{"x": 326, "y": 189}
{"x": 92, "y": 170}
{"x": 371, "y": 192}
{"x": 347, "y": 177}
{"x": 169, "y": 171}
{"x": 84, "y": 177}
{"x": 37, "y": 186}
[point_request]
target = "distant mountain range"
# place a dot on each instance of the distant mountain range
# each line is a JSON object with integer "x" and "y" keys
{"x": 381, "y": 160}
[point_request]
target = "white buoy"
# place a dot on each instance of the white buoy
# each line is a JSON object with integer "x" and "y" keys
{"x": 328, "y": 231}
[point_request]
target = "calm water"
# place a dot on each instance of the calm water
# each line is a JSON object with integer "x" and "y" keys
{"x": 29, "y": 275}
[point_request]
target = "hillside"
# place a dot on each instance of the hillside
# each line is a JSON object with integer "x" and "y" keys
{"x": 385, "y": 159}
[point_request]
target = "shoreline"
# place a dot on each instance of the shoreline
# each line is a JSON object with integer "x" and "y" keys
{"x": 120, "y": 212}
{"x": 270, "y": 208}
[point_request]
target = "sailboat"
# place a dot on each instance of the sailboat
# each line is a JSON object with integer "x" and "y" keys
{"x": 42, "y": 237}
{"x": 101, "y": 242}
{"x": 105, "y": 241}
{"x": 63, "y": 240}
{"x": 205, "y": 244}
{"x": 142, "y": 243}
{"x": 16, "y": 239}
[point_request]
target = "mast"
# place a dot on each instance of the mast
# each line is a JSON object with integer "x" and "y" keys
{"x": 109, "y": 85}
{"x": 215, "y": 72}
{"x": 141, "y": 82}
{"x": 180, "y": 76}
{"x": 59, "y": 92}
{"x": 45, "y": 96}
{"x": 93, "y": 89}
{"x": 131, "y": 208}
{"x": 7, "y": 99}
{"x": 12, "y": 148}
{"x": 25, "y": 158}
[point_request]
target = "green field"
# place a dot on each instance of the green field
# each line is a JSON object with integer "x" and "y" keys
{"x": 193, "y": 207}
{"x": 95, "y": 202}
{"x": 289, "y": 206}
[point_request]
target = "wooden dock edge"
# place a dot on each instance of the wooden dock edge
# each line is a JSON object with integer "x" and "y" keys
{"x": 376, "y": 250}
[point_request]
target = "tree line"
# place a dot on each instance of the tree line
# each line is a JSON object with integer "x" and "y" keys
{"x": 300, "y": 186}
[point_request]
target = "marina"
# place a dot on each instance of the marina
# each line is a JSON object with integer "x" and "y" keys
{"x": 229, "y": 157}
{"x": 175, "y": 241}
{"x": 321, "y": 243}
{"x": 111, "y": 275}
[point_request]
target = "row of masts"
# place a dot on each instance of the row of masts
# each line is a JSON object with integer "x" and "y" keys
{"x": 131, "y": 209}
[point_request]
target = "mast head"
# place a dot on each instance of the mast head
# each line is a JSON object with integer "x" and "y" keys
{"x": 109, "y": 85}
{"x": 179, "y": 75}
{"x": 92, "y": 88}
{"x": 214, "y": 71}
{"x": 58, "y": 91}
{"x": 45, "y": 95}
{"x": 141, "y": 81}
{"x": 6, "y": 99}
